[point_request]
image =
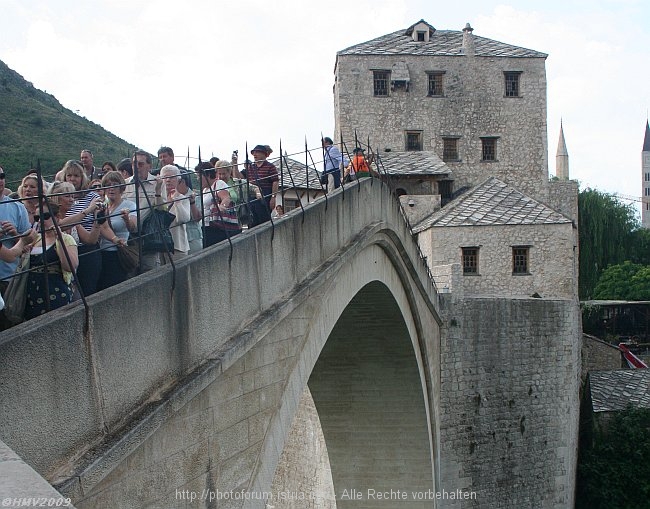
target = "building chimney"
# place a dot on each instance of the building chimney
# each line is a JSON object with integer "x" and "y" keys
{"x": 468, "y": 40}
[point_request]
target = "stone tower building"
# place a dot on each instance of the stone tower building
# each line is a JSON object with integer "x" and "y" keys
{"x": 562, "y": 157}
{"x": 645, "y": 179}
{"x": 479, "y": 104}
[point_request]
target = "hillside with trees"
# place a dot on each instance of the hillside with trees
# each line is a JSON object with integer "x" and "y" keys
{"x": 35, "y": 126}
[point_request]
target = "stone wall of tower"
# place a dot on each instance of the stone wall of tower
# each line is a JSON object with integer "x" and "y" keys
{"x": 509, "y": 399}
{"x": 474, "y": 106}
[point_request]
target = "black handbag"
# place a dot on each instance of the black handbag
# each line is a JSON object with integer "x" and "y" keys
{"x": 155, "y": 234}
{"x": 128, "y": 256}
{"x": 324, "y": 178}
{"x": 260, "y": 212}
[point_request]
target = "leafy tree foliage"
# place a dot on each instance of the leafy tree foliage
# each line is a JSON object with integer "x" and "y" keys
{"x": 607, "y": 236}
{"x": 613, "y": 467}
{"x": 641, "y": 243}
{"x": 626, "y": 281}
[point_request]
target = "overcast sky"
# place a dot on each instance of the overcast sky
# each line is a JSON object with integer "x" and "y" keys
{"x": 220, "y": 73}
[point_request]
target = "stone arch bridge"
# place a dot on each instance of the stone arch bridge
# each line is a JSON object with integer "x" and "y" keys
{"x": 302, "y": 372}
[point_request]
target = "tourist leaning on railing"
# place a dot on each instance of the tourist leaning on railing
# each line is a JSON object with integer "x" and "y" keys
{"x": 28, "y": 192}
{"x": 122, "y": 219}
{"x": 179, "y": 205}
{"x": 90, "y": 259}
{"x": 264, "y": 175}
{"x": 57, "y": 292}
{"x": 147, "y": 196}
{"x": 13, "y": 221}
{"x": 220, "y": 215}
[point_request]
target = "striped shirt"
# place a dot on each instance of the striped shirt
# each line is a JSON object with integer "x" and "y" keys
{"x": 81, "y": 204}
{"x": 262, "y": 176}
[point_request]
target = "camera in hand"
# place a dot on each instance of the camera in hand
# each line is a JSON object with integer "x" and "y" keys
{"x": 101, "y": 214}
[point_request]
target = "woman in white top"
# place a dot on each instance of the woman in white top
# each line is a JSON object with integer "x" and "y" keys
{"x": 179, "y": 205}
{"x": 123, "y": 220}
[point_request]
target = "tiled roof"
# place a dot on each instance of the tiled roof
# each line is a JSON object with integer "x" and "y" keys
{"x": 615, "y": 390}
{"x": 492, "y": 203}
{"x": 413, "y": 163}
{"x": 441, "y": 43}
{"x": 295, "y": 174}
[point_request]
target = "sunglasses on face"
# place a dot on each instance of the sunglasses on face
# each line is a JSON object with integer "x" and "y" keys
{"x": 2, "y": 176}
{"x": 46, "y": 216}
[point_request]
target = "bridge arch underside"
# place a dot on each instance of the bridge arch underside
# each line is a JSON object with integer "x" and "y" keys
{"x": 367, "y": 390}
{"x": 359, "y": 417}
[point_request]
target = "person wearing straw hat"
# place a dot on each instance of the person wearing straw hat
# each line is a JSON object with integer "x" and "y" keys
{"x": 263, "y": 174}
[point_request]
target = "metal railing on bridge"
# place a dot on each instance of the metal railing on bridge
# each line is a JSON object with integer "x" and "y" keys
{"x": 292, "y": 175}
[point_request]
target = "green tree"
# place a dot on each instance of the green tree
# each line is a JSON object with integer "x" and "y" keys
{"x": 626, "y": 281}
{"x": 613, "y": 467}
{"x": 607, "y": 236}
{"x": 641, "y": 244}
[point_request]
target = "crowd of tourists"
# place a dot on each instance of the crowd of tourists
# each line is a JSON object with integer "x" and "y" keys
{"x": 89, "y": 228}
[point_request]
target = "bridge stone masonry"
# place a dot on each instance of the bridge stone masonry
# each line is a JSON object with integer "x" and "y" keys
{"x": 317, "y": 367}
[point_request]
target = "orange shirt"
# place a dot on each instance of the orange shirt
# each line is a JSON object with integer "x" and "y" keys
{"x": 359, "y": 164}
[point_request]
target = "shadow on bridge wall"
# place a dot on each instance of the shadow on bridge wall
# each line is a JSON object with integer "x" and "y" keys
{"x": 191, "y": 381}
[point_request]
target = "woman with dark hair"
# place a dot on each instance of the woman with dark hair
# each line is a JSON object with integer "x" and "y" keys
{"x": 125, "y": 167}
{"x": 108, "y": 166}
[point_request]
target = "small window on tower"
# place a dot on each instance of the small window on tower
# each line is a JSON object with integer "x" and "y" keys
{"x": 470, "y": 260}
{"x": 520, "y": 265}
{"x": 512, "y": 84}
{"x": 488, "y": 149}
{"x": 435, "y": 84}
{"x": 413, "y": 141}
{"x": 380, "y": 83}
{"x": 450, "y": 149}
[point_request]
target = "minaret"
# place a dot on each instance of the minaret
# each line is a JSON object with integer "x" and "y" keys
{"x": 645, "y": 179}
{"x": 562, "y": 157}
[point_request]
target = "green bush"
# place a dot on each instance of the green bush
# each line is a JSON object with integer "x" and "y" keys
{"x": 614, "y": 466}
